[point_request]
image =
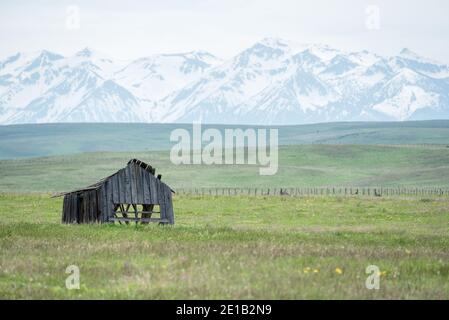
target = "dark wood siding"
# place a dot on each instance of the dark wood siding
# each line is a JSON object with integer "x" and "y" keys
{"x": 80, "y": 207}
{"x": 130, "y": 185}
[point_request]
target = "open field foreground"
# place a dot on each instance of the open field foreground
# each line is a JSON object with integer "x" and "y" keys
{"x": 231, "y": 247}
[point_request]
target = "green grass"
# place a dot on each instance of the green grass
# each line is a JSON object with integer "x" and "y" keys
{"x": 299, "y": 166}
{"x": 231, "y": 247}
{"x": 37, "y": 140}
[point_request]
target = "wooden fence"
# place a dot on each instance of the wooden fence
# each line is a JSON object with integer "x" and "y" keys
{"x": 318, "y": 191}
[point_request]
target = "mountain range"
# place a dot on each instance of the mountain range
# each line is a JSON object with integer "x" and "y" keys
{"x": 273, "y": 82}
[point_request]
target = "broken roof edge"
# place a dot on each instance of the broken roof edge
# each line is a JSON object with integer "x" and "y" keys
{"x": 98, "y": 184}
{"x": 143, "y": 165}
{"x": 60, "y": 194}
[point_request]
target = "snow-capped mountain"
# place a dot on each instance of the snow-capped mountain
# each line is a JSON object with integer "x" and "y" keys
{"x": 91, "y": 87}
{"x": 155, "y": 77}
{"x": 272, "y": 82}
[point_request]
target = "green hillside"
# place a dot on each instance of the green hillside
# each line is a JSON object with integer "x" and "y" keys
{"x": 37, "y": 140}
{"x": 299, "y": 166}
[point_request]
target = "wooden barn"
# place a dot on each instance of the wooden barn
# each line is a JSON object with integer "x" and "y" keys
{"x": 132, "y": 194}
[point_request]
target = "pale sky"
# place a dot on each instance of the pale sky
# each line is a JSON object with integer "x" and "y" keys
{"x": 131, "y": 29}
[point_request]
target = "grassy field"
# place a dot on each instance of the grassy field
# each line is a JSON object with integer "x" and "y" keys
{"x": 238, "y": 247}
{"x": 299, "y": 166}
{"x": 37, "y": 140}
{"x": 230, "y": 247}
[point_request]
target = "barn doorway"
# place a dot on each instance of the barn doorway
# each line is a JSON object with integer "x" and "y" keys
{"x": 138, "y": 213}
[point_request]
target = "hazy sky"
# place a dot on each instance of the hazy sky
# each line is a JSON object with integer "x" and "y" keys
{"x": 130, "y": 29}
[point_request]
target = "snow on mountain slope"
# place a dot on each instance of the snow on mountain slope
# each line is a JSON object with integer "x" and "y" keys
{"x": 299, "y": 98}
{"x": 409, "y": 59}
{"x": 24, "y": 76}
{"x": 85, "y": 87}
{"x": 154, "y": 77}
{"x": 225, "y": 88}
{"x": 50, "y": 87}
{"x": 412, "y": 97}
{"x": 407, "y": 92}
{"x": 109, "y": 102}
{"x": 272, "y": 82}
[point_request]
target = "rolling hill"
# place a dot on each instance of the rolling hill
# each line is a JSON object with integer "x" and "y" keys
{"x": 37, "y": 140}
{"x": 299, "y": 166}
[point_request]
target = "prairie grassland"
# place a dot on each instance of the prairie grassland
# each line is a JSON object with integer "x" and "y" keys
{"x": 231, "y": 247}
{"x": 299, "y": 166}
{"x": 37, "y": 140}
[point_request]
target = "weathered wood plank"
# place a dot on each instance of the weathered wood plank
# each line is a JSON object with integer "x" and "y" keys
{"x": 91, "y": 206}
{"x": 75, "y": 217}
{"x": 139, "y": 220}
{"x": 95, "y": 210}
{"x": 127, "y": 187}
{"x": 145, "y": 211}
{"x": 84, "y": 200}
{"x": 139, "y": 190}
{"x": 71, "y": 213}
{"x": 161, "y": 201}
{"x": 115, "y": 190}
{"x": 154, "y": 189}
{"x": 133, "y": 183}
{"x": 104, "y": 204}
{"x": 98, "y": 208}
{"x": 146, "y": 187}
{"x": 169, "y": 215}
{"x": 67, "y": 214}
{"x": 121, "y": 186}
{"x": 109, "y": 203}
{"x": 64, "y": 210}
{"x": 88, "y": 207}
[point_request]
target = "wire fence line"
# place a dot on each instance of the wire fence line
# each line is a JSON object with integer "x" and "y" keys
{"x": 318, "y": 191}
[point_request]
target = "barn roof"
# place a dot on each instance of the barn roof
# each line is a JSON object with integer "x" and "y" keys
{"x": 143, "y": 165}
{"x": 98, "y": 184}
